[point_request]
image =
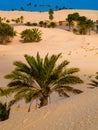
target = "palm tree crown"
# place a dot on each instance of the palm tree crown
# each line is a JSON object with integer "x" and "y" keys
{"x": 40, "y": 77}
{"x": 31, "y": 35}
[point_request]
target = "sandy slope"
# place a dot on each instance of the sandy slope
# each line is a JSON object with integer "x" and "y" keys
{"x": 77, "y": 112}
{"x": 58, "y": 15}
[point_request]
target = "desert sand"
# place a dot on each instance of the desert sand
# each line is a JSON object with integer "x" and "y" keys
{"x": 74, "y": 113}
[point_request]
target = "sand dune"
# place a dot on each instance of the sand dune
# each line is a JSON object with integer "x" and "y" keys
{"x": 77, "y": 112}
{"x": 58, "y": 15}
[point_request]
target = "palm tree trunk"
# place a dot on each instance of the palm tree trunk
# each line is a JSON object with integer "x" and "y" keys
{"x": 30, "y": 106}
{"x": 37, "y": 105}
{"x": 43, "y": 101}
{"x": 49, "y": 99}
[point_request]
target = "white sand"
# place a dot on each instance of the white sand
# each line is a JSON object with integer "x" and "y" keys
{"x": 77, "y": 112}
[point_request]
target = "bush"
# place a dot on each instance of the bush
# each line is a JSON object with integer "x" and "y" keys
{"x": 6, "y": 33}
{"x": 4, "y": 112}
{"x": 41, "y": 23}
{"x": 34, "y": 24}
{"x": 52, "y": 25}
{"x": 28, "y": 24}
{"x": 75, "y": 31}
{"x": 31, "y": 35}
{"x": 50, "y": 12}
{"x": 7, "y": 21}
{"x": 45, "y": 24}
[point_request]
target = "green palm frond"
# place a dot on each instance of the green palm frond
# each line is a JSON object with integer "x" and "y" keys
{"x": 22, "y": 67}
{"x": 33, "y": 94}
{"x": 97, "y": 77}
{"x": 62, "y": 90}
{"x": 94, "y": 83}
{"x": 19, "y": 78}
{"x": 18, "y": 83}
{"x": 70, "y": 79}
{"x": 77, "y": 91}
{"x": 61, "y": 66}
{"x": 50, "y": 65}
{"x": 5, "y": 91}
{"x": 21, "y": 93}
{"x": 71, "y": 71}
{"x": 32, "y": 63}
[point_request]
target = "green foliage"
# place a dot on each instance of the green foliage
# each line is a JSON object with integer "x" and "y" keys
{"x": 94, "y": 82}
{"x": 21, "y": 19}
{"x": 37, "y": 79}
{"x": 51, "y": 17}
{"x": 41, "y": 23}
{"x": 34, "y": 24}
{"x": 51, "y": 11}
{"x": 18, "y": 20}
{"x": 75, "y": 31}
{"x": 6, "y": 33}
{"x": 84, "y": 24}
{"x": 31, "y": 35}
{"x": 52, "y": 25}
{"x": 31, "y": 24}
{"x": 45, "y": 24}
{"x": 28, "y": 24}
{"x": 97, "y": 28}
{"x": 51, "y": 14}
{"x": 4, "y": 111}
{"x": 70, "y": 21}
{"x": 0, "y": 19}
{"x": 75, "y": 16}
{"x": 7, "y": 21}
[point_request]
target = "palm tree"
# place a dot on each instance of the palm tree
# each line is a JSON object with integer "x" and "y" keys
{"x": 31, "y": 35}
{"x": 40, "y": 77}
{"x": 94, "y": 82}
{"x": 51, "y": 14}
{"x": 89, "y": 25}
{"x": 41, "y": 23}
{"x": 21, "y": 19}
{"x": 70, "y": 21}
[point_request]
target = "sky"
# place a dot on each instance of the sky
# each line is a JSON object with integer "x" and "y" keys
{"x": 42, "y": 4}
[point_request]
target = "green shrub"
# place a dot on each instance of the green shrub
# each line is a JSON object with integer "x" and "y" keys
{"x": 6, "y": 33}
{"x": 7, "y": 21}
{"x": 41, "y": 23}
{"x": 75, "y": 31}
{"x": 45, "y": 24}
{"x": 52, "y": 25}
{"x": 31, "y": 35}
{"x": 34, "y": 24}
{"x": 28, "y": 24}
